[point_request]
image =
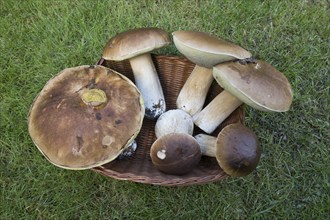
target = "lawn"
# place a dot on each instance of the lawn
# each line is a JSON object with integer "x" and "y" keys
{"x": 40, "y": 38}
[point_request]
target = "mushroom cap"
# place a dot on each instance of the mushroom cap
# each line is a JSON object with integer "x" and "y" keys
{"x": 238, "y": 150}
{"x": 174, "y": 121}
{"x": 175, "y": 153}
{"x": 75, "y": 132}
{"x": 257, "y": 84}
{"x": 206, "y": 50}
{"x": 134, "y": 42}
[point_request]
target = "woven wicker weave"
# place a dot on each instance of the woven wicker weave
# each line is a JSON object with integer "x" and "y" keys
{"x": 173, "y": 72}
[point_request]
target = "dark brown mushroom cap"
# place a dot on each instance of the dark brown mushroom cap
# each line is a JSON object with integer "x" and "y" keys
{"x": 257, "y": 84}
{"x": 74, "y": 133}
{"x": 131, "y": 43}
{"x": 238, "y": 150}
{"x": 206, "y": 50}
{"x": 175, "y": 153}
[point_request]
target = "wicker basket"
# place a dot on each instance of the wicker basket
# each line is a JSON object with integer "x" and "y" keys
{"x": 173, "y": 72}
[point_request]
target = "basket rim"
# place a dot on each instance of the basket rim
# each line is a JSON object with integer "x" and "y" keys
{"x": 176, "y": 181}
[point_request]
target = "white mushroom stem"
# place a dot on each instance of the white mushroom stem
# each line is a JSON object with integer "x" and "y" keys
{"x": 174, "y": 121}
{"x": 128, "y": 151}
{"x": 147, "y": 81}
{"x": 207, "y": 144}
{"x": 216, "y": 111}
{"x": 193, "y": 93}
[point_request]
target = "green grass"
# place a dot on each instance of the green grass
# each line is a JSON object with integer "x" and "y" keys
{"x": 40, "y": 38}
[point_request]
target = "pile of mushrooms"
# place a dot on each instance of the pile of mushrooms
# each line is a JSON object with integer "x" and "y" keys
{"x": 244, "y": 80}
{"x": 87, "y": 116}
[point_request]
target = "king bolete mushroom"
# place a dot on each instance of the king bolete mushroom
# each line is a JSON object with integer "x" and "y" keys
{"x": 175, "y": 153}
{"x": 236, "y": 149}
{"x": 205, "y": 51}
{"x": 85, "y": 117}
{"x": 136, "y": 46}
{"x": 255, "y": 83}
{"x": 174, "y": 121}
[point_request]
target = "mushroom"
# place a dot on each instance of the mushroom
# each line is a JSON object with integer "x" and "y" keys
{"x": 174, "y": 121}
{"x": 236, "y": 149}
{"x": 85, "y": 117}
{"x": 175, "y": 153}
{"x": 136, "y": 46}
{"x": 255, "y": 83}
{"x": 205, "y": 51}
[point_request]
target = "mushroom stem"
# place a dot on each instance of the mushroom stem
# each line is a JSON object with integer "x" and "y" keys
{"x": 147, "y": 81}
{"x": 216, "y": 111}
{"x": 128, "y": 151}
{"x": 193, "y": 93}
{"x": 207, "y": 144}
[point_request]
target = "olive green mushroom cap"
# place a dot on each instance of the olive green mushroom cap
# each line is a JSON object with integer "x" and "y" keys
{"x": 206, "y": 50}
{"x": 134, "y": 42}
{"x": 257, "y": 84}
{"x": 238, "y": 150}
{"x": 85, "y": 117}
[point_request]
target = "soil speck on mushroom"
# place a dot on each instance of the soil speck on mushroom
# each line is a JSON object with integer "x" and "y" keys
{"x": 80, "y": 141}
{"x": 98, "y": 116}
{"x": 118, "y": 121}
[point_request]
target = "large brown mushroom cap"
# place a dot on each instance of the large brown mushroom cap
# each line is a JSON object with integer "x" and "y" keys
{"x": 134, "y": 42}
{"x": 206, "y": 50}
{"x": 238, "y": 150}
{"x": 85, "y": 116}
{"x": 175, "y": 153}
{"x": 257, "y": 84}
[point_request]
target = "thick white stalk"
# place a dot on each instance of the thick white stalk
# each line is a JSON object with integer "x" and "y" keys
{"x": 216, "y": 111}
{"x": 147, "y": 81}
{"x": 207, "y": 144}
{"x": 193, "y": 93}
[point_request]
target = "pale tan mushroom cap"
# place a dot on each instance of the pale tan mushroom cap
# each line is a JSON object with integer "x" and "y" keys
{"x": 207, "y": 50}
{"x": 257, "y": 84}
{"x": 134, "y": 42}
{"x": 74, "y": 135}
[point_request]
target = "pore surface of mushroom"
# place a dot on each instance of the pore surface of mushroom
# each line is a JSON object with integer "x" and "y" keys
{"x": 236, "y": 149}
{"x": 136, "y": 46}
{"x": 85, "y": 117}
{"x": 256, "y": 83}
{"x": 205, "y": 51}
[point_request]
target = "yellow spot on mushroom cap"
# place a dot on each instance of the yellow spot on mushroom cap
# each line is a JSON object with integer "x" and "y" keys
{"x": 94, "y": 97}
